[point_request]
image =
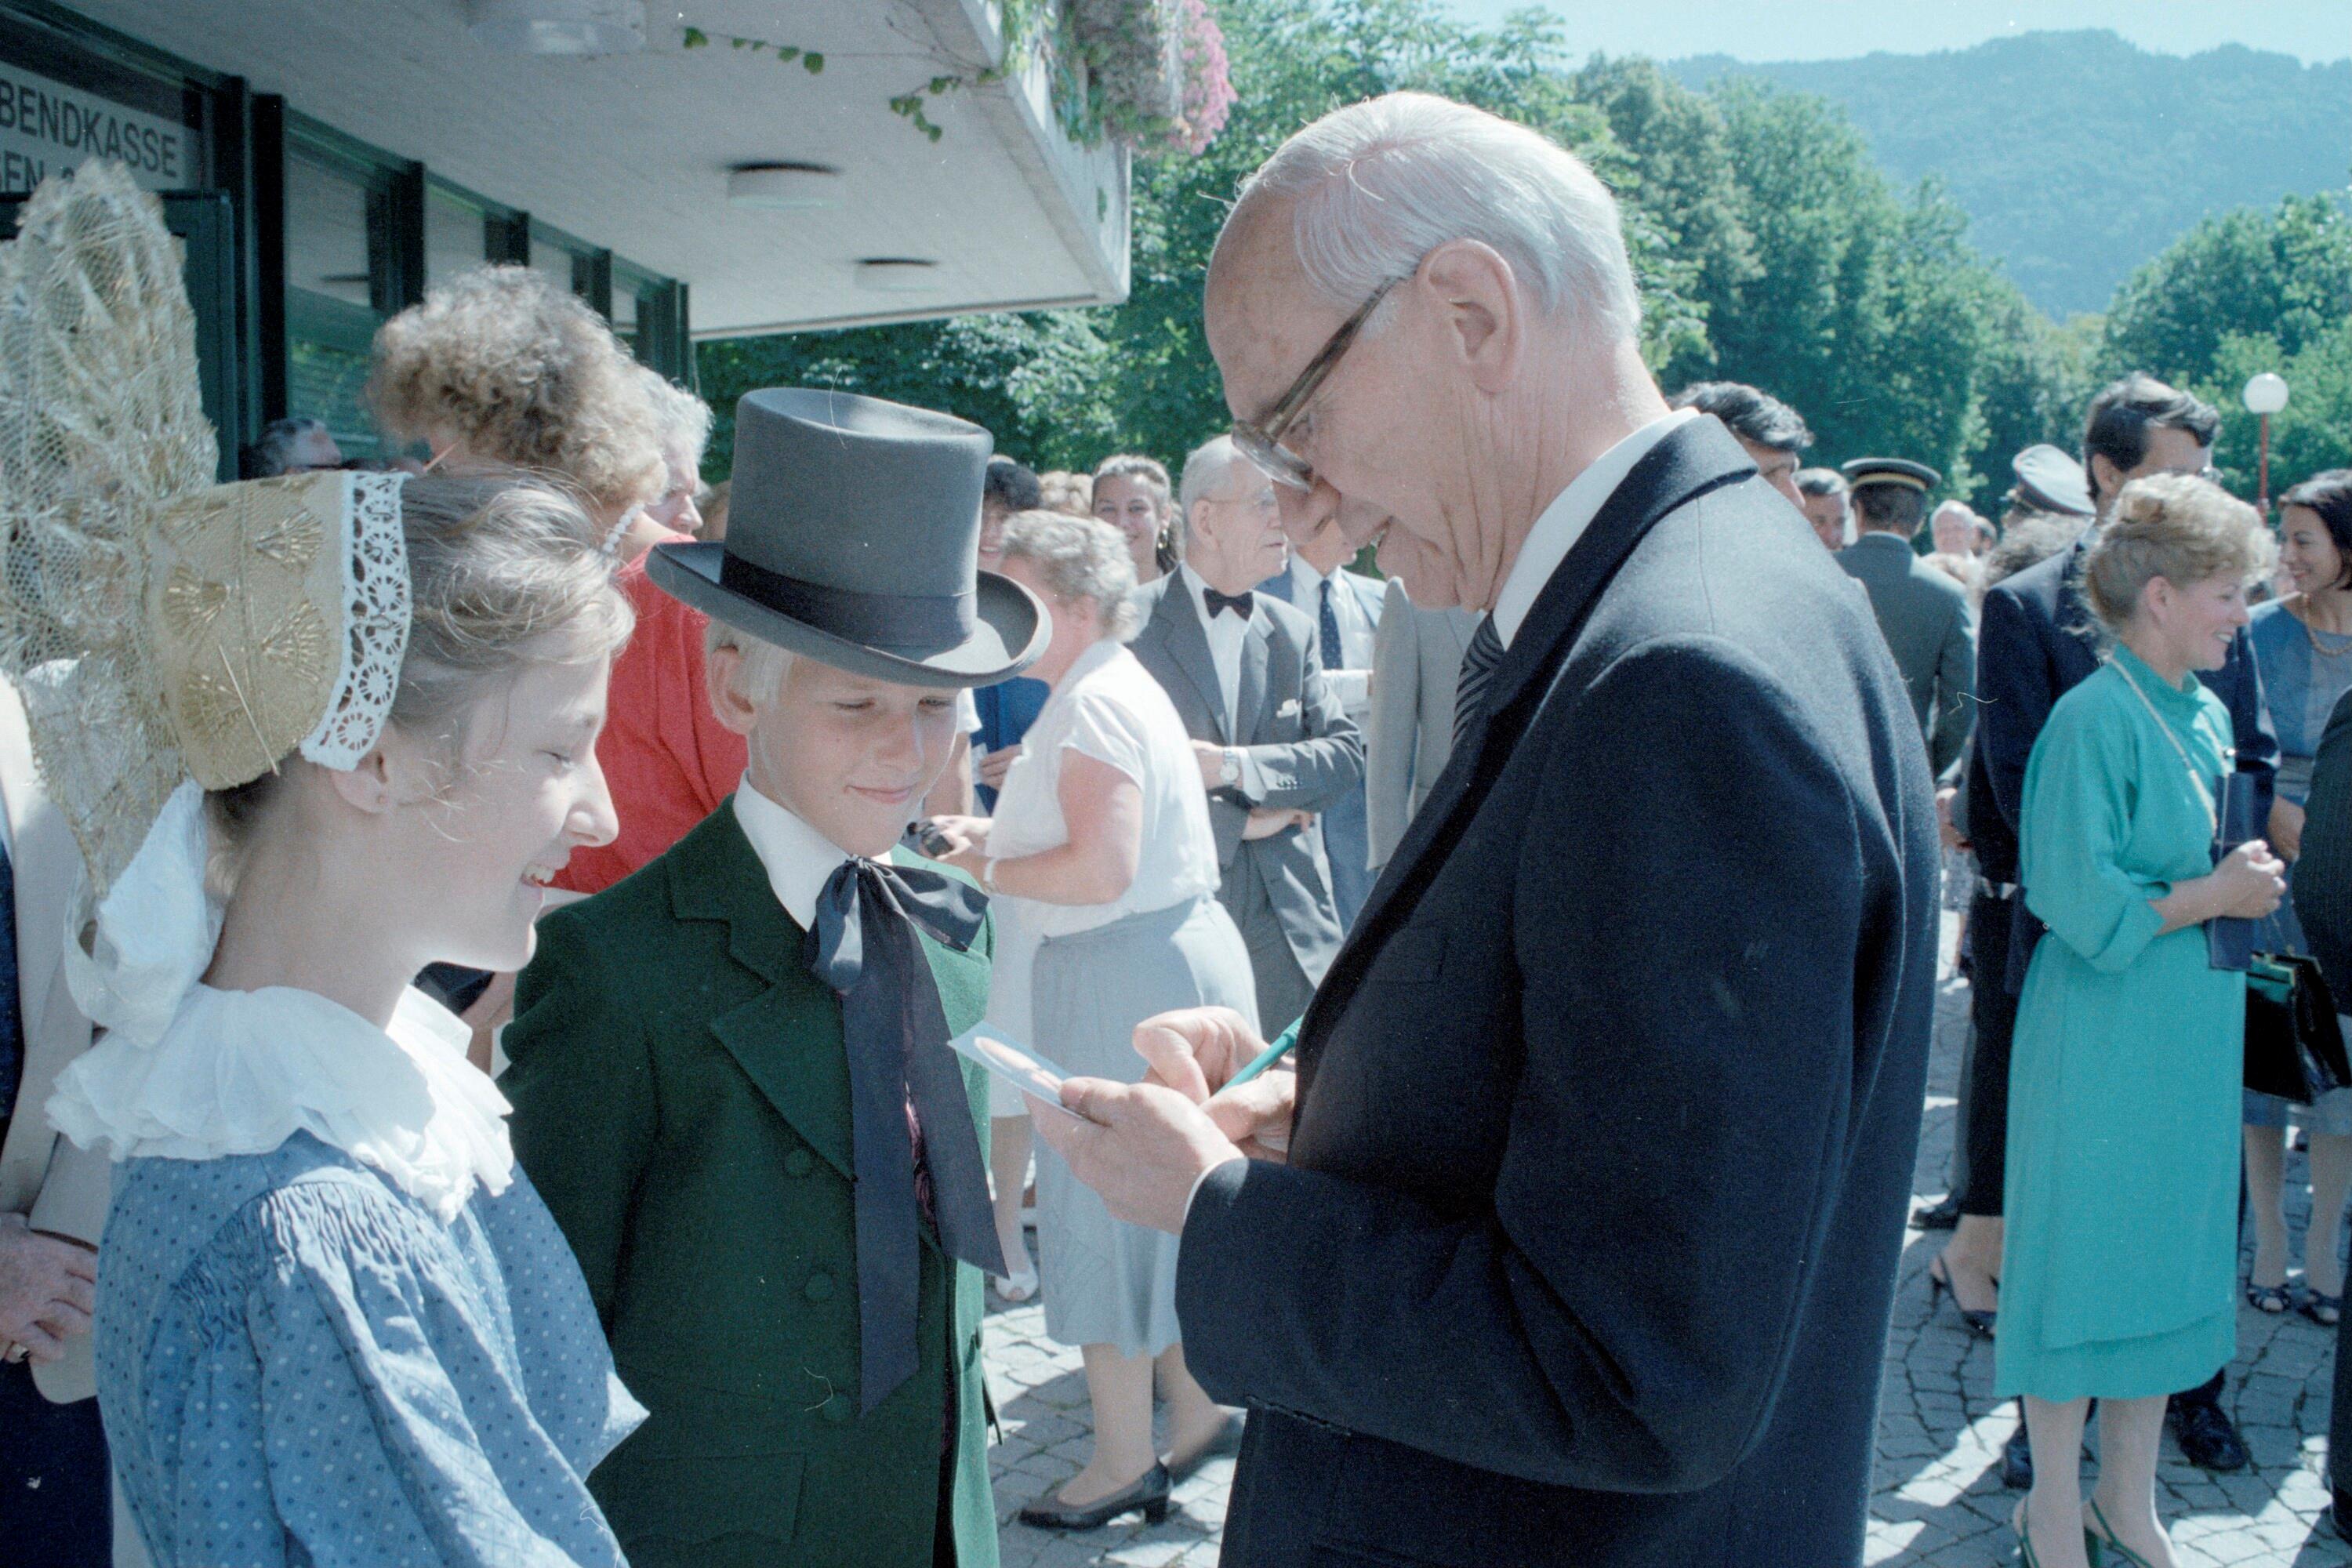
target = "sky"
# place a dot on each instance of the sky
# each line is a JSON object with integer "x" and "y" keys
{"x": 2313, "y": 30}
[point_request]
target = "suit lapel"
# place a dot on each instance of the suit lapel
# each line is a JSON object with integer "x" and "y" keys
{"x": 1188, "y": 646}
{"x": 43, "y": 861}
{"x": 786, "y": 1038}
{"x": 1250, "y": 691}
{"x": 1698, "y": 456}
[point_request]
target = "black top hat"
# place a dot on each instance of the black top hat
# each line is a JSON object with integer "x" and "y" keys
{"x": 1911, "y": 476}
{"x": 853, "y": 537}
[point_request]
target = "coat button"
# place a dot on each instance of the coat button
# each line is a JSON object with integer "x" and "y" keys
{"x": 819, "y": 1288}
{"x": 799, "y": 1163}
{"x": 836, "y": 1409}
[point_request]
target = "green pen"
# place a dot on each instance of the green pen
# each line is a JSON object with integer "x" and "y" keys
{"x": 1266, "y": 1059}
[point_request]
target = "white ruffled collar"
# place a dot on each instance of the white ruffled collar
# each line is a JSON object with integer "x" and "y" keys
{"x": 188, "y": 1072}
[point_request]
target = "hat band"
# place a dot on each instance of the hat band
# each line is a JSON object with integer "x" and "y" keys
{"x": 916, "y": 623}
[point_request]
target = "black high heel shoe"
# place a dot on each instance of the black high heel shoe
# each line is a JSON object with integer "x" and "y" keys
{"x": 1979, "y": 1323}
{"x": 1147, "y": 1495}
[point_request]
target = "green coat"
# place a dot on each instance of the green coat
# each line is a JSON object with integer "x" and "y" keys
{"x": 681, "y": 1101}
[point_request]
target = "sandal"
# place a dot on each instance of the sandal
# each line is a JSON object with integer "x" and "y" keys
{"x": 2272, "y": 1298}
{"x": 1940, "y": 1281}
{"x": 2324, "y": 1310}
{"x": 2102, "y": 1542}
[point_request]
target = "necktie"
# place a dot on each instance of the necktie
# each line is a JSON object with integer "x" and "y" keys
{"x": 1478, "y": 662}
{"x": 1327, "y": 627}
{"x": 1240, "y": 604}
{"x": 864, "y": 945}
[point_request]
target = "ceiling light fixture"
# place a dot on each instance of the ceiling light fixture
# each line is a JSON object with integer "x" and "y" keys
{"x": 783, "y": 188}
{"x": 559, "y": 26}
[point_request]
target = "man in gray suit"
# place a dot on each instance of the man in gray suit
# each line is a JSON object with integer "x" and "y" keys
{"x": 1274, "y": 742}
{"x": 1345, "y": 609}
{"x": 1923, "y": 614}
{"x": 1416, "y": 664}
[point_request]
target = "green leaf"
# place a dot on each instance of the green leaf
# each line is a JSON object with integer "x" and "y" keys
{"x": 815, "y": 62}
{"x": 695, "y": 38}
{"x": 933, "y": 131}
{"x": 786, "y": 55}
{"x": 939, "y": 84}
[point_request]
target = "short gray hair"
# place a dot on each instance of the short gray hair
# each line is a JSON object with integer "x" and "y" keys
{"x": 1080, "y": 558}
{"x": 761, "y": 674}
{"x": 1378, "y": 186}
{"x": 1206, "y": 467}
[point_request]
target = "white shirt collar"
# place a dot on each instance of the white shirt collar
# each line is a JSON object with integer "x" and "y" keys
{"x": 1306, "y": 577}
{"x": 799, "y": 859}
{"x": 1572, "y": 511}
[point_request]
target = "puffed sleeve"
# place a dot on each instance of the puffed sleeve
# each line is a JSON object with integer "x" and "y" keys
{"x": 395, "y": 1427}
{"x": 2079, "y": 788}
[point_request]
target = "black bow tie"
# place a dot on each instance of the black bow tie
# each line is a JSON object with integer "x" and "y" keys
{"x": 1241, "y": 603}
{"x": 863, "y": 944}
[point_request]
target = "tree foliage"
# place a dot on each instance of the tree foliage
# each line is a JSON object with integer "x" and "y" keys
{"x": 1769, "y": 247}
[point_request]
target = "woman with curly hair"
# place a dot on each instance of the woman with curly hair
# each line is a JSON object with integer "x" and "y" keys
{"x": 500, "y": 367}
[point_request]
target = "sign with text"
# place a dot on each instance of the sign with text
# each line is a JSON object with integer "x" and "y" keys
{"x": 46, "y": 126}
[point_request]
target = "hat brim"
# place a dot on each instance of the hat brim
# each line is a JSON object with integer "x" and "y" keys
{"x": 1008, "y": 632}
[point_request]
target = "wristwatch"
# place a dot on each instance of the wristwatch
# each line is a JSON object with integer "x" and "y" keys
{"x": 1228, "y": 771}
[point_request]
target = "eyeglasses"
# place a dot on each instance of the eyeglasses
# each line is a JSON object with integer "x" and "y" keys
{"x": 1261, "y": 440}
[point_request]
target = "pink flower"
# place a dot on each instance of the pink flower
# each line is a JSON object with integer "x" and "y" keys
{"x": 1208, "y": 81}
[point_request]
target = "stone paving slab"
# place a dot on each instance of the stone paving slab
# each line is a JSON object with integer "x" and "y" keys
{"x": 1939, "y": 1499}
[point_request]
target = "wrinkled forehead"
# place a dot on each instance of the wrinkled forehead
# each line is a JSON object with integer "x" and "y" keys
{"x": 1264, "y": 321}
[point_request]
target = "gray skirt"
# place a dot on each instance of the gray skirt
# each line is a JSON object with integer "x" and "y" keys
{"x": 1106, "y": 1282}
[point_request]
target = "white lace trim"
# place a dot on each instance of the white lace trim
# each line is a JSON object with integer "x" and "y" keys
{"x": 375, "y": 622}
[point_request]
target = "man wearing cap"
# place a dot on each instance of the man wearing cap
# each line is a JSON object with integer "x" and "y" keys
{"x": 1923, "y": 614}
{"x": 730, "y": 1076}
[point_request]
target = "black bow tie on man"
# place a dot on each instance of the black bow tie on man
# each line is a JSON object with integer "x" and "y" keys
{"x": 864, "y": 945}
{"x": 1240, "y": 604}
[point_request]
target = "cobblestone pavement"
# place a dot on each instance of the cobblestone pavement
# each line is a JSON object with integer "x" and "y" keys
{"x": 1939, "y": 1499}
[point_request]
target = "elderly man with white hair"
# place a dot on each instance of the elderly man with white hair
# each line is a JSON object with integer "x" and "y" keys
{"x": 1573, "y": 1236}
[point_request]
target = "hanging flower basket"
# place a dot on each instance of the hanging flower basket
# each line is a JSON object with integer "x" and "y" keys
{"x": 1155, "y": 72}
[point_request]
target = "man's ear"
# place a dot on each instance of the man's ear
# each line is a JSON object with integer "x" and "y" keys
{"x": 1482, "y": 306}
{"x": 722, "y": 677}
{"x": 2106, "y": 478}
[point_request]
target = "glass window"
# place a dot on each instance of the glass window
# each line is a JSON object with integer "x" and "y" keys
{"x": 455, "y": 237}
{"x": 336, "y": 272}
{"x": 624, "y": 317}
{"x": 559, "y": 263}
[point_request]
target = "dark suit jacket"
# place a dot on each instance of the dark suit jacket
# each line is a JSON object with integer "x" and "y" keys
{"x": 2036, "y": 642}
{"x": 2322, "y": 877}
{"x": 1298, "y": 750}
{"x": 1924, "y": 615}
{"x": 1607, "y": 1112}
{"x": 681, "y": 1101}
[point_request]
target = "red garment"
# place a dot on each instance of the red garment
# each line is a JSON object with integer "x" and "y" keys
{"x": 666, "y": 759}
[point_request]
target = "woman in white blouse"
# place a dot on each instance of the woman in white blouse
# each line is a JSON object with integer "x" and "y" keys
{"x": 1105, "y": 876}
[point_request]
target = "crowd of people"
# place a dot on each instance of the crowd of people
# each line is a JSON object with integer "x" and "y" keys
{"x": 482, "y": 1040}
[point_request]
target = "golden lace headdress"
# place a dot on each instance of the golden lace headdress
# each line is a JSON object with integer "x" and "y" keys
{"x": 161, "y": 628}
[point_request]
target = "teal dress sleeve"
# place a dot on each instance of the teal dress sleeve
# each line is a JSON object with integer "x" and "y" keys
{"x": 2077, "y": 820}
{"x": 395, "y": 1427}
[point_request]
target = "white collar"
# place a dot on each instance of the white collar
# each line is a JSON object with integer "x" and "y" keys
{"x": 1303, "y": 573}
{"x": 1572, "y": 511}
{"x": 239, "y": 1072}
{"x": 187, "y": 1072}
{"x": 799, "y": 859}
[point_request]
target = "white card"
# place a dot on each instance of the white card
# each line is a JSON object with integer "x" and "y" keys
{"x": 1013, "y": 1062}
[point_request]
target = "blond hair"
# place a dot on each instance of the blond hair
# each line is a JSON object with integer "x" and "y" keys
{"x": 1064, "y": 492}
{"x": 2177, "y": 527}
{"x": 524, "y": 374}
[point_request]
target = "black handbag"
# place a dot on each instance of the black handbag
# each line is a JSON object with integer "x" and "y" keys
{"x": 2295, "y": 1047}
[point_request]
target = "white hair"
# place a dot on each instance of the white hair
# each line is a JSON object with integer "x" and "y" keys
{"x": 1080, "y": 558}
{"x": 1378, "y": 186}
{"x": 1205, "y": 468}
{"x": 761, "y": 674}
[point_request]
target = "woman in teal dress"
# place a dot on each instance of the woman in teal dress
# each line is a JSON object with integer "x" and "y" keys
{"x": 2118, "y": 1271}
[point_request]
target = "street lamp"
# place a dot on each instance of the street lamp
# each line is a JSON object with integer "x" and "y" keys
{"x": 2266, "y": 395}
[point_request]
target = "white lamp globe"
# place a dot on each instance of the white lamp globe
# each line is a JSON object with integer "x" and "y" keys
{"x": 2266, "y": 394}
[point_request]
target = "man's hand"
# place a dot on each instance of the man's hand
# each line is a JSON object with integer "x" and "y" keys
{"x": 995, "y": 764}
{"x": 1211, "y": 758}
{"x": 1945, "y": 827}
{"x": 2286, "y": 829}
{"x": 1268, "y": 820}
{"x": 47, "y": 1289}
{"x": 1196, "y": 1051}
{"x": 1140, "y": 1146}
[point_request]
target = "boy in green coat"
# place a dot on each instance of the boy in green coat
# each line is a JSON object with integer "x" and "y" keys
{"x": 730, "y": 1076}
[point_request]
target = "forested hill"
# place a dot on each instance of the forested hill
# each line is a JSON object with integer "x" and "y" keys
{"x": 2044, "y": 140}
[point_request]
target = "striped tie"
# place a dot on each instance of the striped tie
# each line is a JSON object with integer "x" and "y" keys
{"x": 1478, "y": 662}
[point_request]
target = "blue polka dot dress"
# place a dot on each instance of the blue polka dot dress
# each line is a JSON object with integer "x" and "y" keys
{"x": 300, "y": 1364}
